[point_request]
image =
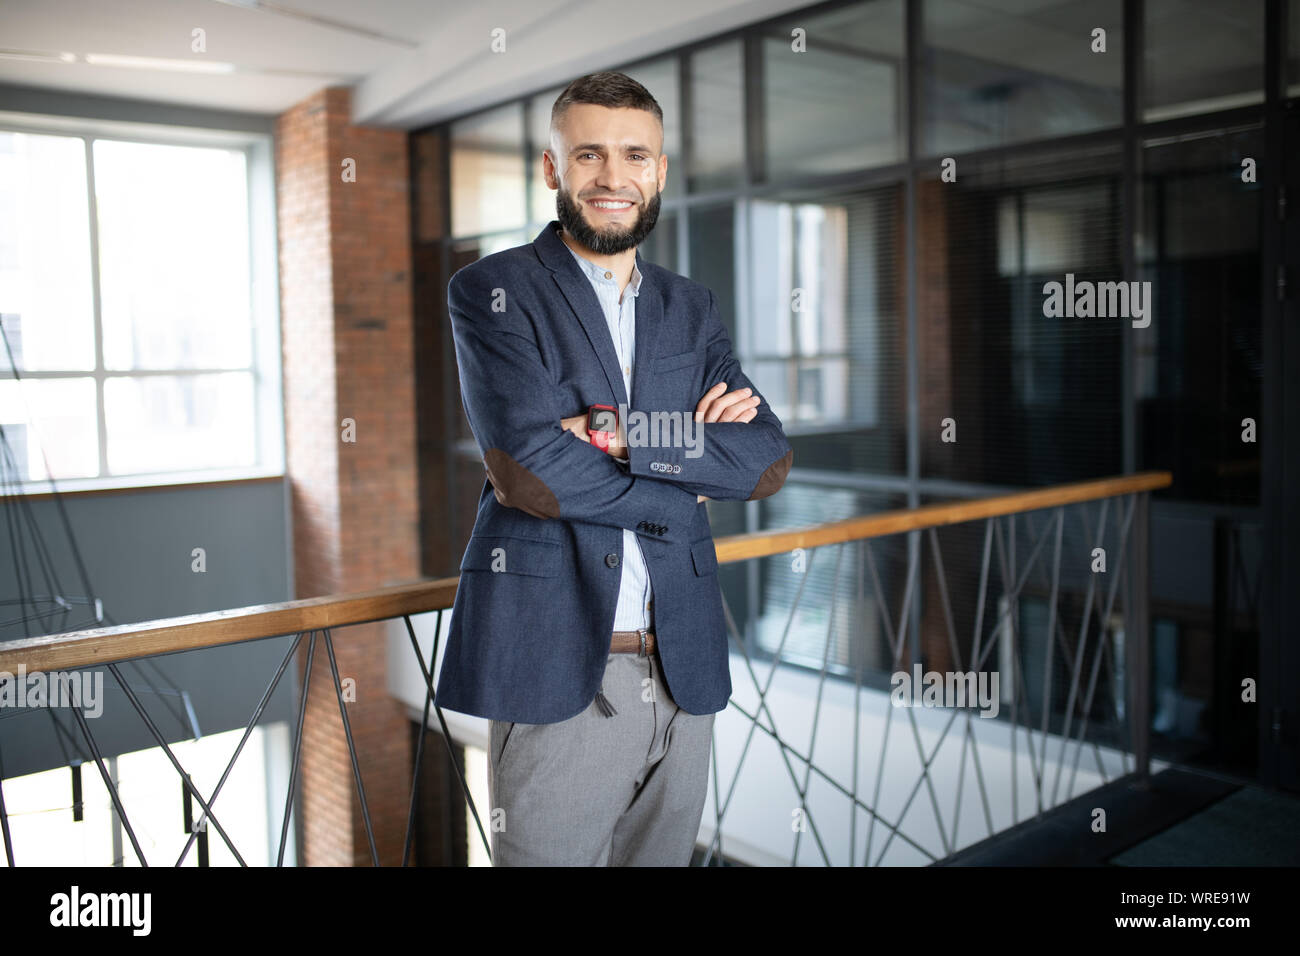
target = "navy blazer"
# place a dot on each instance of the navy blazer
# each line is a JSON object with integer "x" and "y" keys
{"x": 530, "y": 629}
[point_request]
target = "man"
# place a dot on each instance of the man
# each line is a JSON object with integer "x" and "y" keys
{"x": 588, "y": 624}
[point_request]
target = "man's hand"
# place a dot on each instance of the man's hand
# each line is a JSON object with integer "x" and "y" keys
{"x": 578, "y": 425}
{"x": 737, "y": 406}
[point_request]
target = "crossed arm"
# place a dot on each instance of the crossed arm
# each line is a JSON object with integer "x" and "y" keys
{"x": 539, "y": 464}
{"x": 533, "y": 463}
{"x": 717, "y": 405}
{"x": 740, "y": 451}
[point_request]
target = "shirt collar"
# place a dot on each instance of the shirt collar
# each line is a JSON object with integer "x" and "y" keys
{"x": 596, "y": 274}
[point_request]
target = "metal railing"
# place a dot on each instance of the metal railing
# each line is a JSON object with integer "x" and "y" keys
{"x": 316, "y": 617}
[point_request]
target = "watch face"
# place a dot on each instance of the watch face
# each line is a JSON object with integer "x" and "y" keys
{"x": 603, "y": 420}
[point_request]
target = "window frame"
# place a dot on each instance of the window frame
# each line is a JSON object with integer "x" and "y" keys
{"x": 264, "y": 305}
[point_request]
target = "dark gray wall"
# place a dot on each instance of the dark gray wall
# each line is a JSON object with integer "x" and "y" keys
{"x": 137, "y": 546}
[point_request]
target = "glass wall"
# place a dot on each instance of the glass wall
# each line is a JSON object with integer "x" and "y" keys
{"x": 793, "y": 196}
{"x": 1201, "y": 55}
{"x": 1033, "y": 400}
{"x": 832, "y": 88}
{"x": 994, "y": 74}
{"x": 1199, "y": 371}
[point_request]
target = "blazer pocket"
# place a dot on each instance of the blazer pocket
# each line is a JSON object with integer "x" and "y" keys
{"x": 666, "y": 363}
{"x": 704, "y": 557}
{"x": 508, "y": 554}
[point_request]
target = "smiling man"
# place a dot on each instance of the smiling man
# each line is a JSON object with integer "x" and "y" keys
{"x": 588, "y": 623}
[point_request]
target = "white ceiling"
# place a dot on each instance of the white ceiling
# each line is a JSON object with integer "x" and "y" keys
{"x": 412, "y": 63}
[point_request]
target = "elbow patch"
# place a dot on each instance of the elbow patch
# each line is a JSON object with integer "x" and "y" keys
{"x": 773, "y": 478}
{"x": 517, "y": 487}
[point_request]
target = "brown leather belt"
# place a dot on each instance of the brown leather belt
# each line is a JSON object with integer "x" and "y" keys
{"x": 630, "y": 642}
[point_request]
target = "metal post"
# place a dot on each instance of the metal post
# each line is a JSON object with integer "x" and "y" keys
{"x": 1137, "y": 639}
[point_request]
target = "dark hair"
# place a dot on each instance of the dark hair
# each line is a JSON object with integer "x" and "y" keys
{"x": 607, "y": 88}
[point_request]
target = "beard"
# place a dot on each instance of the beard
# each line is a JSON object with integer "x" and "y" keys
{"x": 612, "y": 239}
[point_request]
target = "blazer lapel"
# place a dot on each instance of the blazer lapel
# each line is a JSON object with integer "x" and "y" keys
{"x": 649, "y": 322}
{"x": 577, "y": 291}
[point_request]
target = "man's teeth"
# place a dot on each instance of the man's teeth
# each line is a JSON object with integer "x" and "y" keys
{"x": 611, "y": 205}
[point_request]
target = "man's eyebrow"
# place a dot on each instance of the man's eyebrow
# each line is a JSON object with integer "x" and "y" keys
{"x": 600, "y": 147}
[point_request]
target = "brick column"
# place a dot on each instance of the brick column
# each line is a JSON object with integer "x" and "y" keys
{"x": 345, "y": 296}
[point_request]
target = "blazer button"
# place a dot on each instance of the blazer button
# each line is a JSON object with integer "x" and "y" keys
{"x": 611, "y": 560}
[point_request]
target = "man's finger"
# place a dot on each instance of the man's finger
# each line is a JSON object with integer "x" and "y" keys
{"x": 702, "y": 407}
{"x": 733, "y": 412}
{"x": 717, "y": 405}
{"x": 720, "y": 404}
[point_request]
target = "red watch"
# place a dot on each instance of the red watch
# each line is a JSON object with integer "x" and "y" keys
{"x": 602, "y": 425}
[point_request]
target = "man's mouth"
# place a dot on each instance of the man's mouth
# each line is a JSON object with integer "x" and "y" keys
{"x": 611, "y": 205}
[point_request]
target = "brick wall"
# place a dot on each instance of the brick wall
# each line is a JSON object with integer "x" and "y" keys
{"x": 346, "y": 318}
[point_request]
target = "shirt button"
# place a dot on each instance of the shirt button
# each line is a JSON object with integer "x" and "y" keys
{"x": 609, "y": 275}
{"x": 611, "y": 560}
{"x": 627, "y": 370}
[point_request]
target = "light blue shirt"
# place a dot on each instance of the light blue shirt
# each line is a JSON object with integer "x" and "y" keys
{"x": 634, "y": 594}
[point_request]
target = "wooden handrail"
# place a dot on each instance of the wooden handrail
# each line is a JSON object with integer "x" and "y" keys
{"x": 761, "y": 544}
{"x": 121, "y": 642}
{"x": 192, "y": 631}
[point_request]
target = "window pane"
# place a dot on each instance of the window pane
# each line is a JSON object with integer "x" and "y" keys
{"x": 46, "y": 304}
{"x": 837, "y": 105}
{"x": 713, "y": 253}
{"x": 824, "y": 315}
{"x": 1032, "y": 399}
{"x": 1199, "y": 367}
{"x": 173, "y": 256}
{"x": 717, "y": 107}
{"x": 828, "y": 622}
{"x": 179, "y": 422}
{"x": 49, "y": 419}
{"x": 660, "y": 78}
{"x": 472, "y": 250}
{"x": 991, "y": 75}
{"x": 660, "y": 247}
{"x": 487, "y": 171}
{"x": 1202, "y": 55}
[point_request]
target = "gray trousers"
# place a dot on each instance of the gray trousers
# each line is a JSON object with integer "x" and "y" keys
{"x": 624, "y": 790}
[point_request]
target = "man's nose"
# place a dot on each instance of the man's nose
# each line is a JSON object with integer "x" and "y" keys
{"x": 615, "y": 176}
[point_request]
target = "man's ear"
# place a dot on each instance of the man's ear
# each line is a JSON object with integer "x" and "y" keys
{"x": 551, "y": 177}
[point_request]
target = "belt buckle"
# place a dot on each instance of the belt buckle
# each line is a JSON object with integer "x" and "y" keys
{"x": 641, "y": 632}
